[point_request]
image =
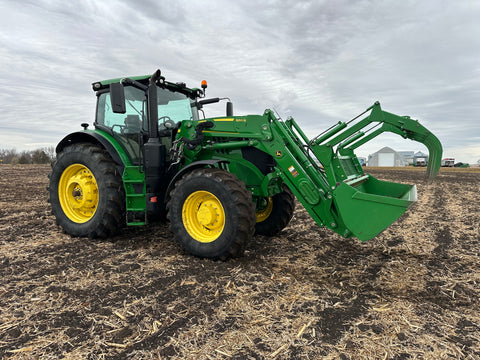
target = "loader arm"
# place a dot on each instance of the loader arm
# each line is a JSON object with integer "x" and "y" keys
{"x": 323, "y": 172}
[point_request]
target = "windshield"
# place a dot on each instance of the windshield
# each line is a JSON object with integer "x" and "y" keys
{"x": 175, "y": 106}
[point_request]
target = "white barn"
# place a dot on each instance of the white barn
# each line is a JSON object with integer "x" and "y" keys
{"x": 385, "y": 157}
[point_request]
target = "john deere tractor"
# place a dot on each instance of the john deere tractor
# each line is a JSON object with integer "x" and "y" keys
{"x": 152, "y": 153}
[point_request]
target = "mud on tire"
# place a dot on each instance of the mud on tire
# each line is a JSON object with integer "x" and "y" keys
{"x": 211, "y": 214}
{"x": 86, "y": 192}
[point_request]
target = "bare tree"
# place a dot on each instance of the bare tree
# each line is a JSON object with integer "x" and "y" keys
{"x": 39, "y": 156}
{"x": 8, "y": 156}
{"x": 50, "y": 151}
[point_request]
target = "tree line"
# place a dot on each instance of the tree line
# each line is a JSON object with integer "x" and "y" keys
{"x": 39, "y": 156}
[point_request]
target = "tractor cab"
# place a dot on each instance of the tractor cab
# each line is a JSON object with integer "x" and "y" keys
{"x": 131, "y": 127}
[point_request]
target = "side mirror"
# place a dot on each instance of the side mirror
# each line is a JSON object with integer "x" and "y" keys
{"x": 117, "y": 97}
{"x": 229, "y": 109}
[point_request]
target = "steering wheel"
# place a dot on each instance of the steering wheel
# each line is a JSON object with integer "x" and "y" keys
{"x": 122, "y": 127}
{"x": 167, "y": 122}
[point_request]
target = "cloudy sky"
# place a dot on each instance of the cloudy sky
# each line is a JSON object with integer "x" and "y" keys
{"x": 318, "y": 61}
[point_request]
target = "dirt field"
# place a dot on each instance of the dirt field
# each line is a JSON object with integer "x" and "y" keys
{"x": 411, "y": 293}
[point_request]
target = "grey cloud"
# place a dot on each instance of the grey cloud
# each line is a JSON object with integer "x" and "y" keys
{"x": 319, "y": 61}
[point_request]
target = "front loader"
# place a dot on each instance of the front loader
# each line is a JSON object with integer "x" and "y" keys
{"x": 220, "y": 180}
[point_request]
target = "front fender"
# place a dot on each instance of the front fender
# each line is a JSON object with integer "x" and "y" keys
{"x": 188, "y": 168}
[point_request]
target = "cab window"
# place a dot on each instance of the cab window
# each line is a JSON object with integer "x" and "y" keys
{"x": 126, "y": 127}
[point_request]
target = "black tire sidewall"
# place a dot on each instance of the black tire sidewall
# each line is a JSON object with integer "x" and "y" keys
{"x": 282, "y": 212}
{"x": 218, "y": 247}
{"x": 79, "y": 154}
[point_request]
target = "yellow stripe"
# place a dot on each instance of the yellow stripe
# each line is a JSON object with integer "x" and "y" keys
{"x": 219, "y": 132}
{"x": 229, "y": 119}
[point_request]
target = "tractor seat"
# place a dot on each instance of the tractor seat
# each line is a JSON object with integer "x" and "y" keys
{"x": 133, "y": 125}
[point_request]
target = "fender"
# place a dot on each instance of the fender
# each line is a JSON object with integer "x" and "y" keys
{"x": 188, "y": 168}
{"x": 95, "y": 137}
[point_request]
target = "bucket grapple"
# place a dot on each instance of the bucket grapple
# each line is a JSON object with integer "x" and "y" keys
{"x": 346, "y": 199}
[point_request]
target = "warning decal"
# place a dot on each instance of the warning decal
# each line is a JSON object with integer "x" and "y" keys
{"x": 293, "y": 171}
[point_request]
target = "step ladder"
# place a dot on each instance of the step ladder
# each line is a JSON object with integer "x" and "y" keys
{"x": 135, "y": 196}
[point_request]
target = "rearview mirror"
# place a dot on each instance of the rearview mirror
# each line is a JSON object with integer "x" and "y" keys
{"x": 229, "y": 109}
{"x": 117, "y": 97}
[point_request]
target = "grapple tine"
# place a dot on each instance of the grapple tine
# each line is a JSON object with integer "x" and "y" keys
{"x": 434, "y": 150}
{"x": 435, "y": 156}
{"x": 404, "y": 126}
{"x": 412, "y": 129}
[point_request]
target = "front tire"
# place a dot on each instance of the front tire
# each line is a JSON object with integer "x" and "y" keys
{"x": 274, "y": 213}
{"x": 211, "y": 214}
{"x": 86, "y": 192}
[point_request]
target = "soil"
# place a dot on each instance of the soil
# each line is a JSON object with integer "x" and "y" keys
{"x": 410, "y": 293}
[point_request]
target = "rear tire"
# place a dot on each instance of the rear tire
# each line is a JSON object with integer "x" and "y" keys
{"x": 86, "y": 192}
{"x": 276, "y": 213}
{"x": 211, "y": 214}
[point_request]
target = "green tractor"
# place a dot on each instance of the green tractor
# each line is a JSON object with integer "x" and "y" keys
{"x": 220, "y": 180}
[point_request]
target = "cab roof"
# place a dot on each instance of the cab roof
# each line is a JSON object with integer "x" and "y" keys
{"x": 144, "y": 79}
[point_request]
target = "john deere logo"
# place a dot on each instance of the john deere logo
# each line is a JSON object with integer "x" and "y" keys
{"x": 278, "y": 153}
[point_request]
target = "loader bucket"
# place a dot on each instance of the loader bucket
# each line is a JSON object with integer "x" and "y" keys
{"x": 367, "y": 206}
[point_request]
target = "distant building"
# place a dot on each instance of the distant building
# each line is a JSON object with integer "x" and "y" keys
{"x": 385, "y": 157}
{"x": 407, "y": 156}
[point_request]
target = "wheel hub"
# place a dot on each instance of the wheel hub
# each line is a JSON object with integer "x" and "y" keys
{"x": 207, "y": 214}
{"x": 78, "y": 193}
{"x": 264, "y": 209}
{"x": 203, "y": 216}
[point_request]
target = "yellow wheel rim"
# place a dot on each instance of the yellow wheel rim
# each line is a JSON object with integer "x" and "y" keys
{"x": 203, "y": 216}
{"x": 78, "y": 193}
{"x": 265, "y": 210}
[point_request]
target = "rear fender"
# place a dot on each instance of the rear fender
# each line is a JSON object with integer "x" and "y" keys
{"x": 95, "y": 137}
